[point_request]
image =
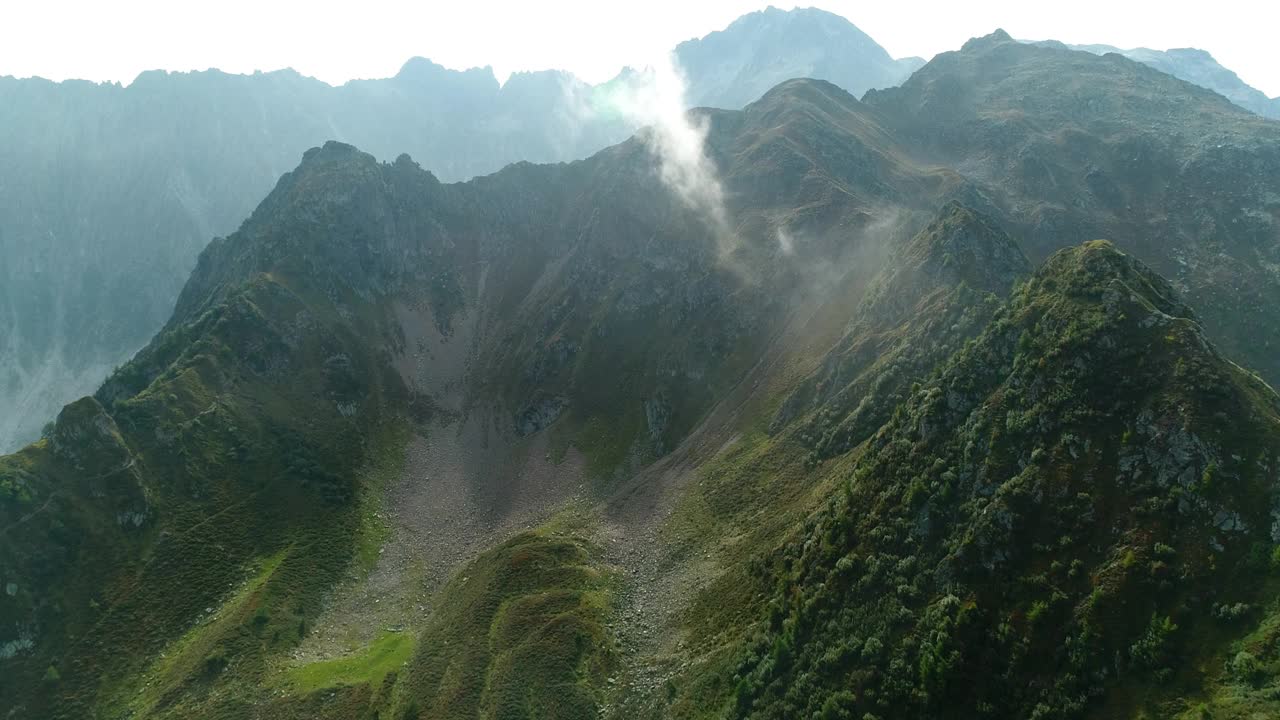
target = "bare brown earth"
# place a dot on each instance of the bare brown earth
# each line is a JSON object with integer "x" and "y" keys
{"x": 469, "y": 483}
{"x": 465, "y": 487}
{"x": 634, "y": 530}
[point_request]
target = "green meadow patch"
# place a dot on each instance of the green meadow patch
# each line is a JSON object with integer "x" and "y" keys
{"x": 387, "y": 654}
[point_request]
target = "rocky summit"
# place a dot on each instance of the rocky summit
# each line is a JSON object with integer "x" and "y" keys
{"x": 110, "y": 192}
{"x": 953, "y": 401}
{"x": 1195, "y": 66}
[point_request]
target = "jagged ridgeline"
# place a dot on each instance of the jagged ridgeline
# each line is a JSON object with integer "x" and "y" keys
{"x": 938, "y": 291}
{"x": 1079, "y": 505}
{"x": 111, "y": 192}
{"x": 176, "y": 535}
{"x": 889, "y": 434}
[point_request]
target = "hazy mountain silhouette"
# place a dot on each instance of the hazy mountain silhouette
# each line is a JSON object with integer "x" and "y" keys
{"x": 1195, "y": 66}
{"x": 847, "y": 412}
{"x": 110, "y": 192}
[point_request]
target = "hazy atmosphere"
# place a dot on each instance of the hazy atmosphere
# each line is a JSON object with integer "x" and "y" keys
{"x": 338, "y": 41}
{"x": 667, "y": 361}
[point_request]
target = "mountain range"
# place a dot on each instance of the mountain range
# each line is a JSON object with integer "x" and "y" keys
{"x": 952, "y": 401}
{"x": 735, "y": 66}
{"x": 1197, "y": 67}
{"x": 110, "y": 192}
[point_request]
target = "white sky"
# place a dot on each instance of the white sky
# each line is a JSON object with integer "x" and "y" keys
{"x": 337, "y": 41}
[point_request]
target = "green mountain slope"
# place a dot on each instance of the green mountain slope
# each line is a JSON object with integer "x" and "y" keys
{"x": 1068, "y": 146}
{"x": 811, "y": 438}
{"x": 1078, "y": 506}
{"x": 240, "y": 440}
{"x": 111, "y": 192}
{"x": 217, "y": 467}
{"x": 934, "y": 294}
{"x": 1195, "y": 66}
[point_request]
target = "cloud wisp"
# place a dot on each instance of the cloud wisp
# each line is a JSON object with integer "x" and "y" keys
{"x": 655, "y": 98}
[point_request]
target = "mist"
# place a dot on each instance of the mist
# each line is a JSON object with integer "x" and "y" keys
{"x": 656, "y": 98}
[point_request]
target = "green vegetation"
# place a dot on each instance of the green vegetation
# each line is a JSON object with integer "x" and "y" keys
{"x": 385, "y": 465}
{"x": 886, "y": 602}
{"x": 1243, "y": 678}
{"x": 520, "y": 633}
{"x": 387, "y": 654}
{"x": 937, "y": 292}
{"x": 1000, "y": 494}
{"x": 220, "y": 493}
{"x": 607, "y": 443}
{"x": 203, "y": 650}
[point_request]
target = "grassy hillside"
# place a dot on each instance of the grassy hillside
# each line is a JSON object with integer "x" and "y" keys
{"x": 1070, "y": 509}
{"x": 198, "y": 507}
{"x": 521, "y": 633}
{"x": 835, "y": 451}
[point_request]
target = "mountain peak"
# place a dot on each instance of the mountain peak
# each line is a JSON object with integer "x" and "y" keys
{"x": 1193, "y": 65}
{"x": 732, "y": 67}
{"x": 970, "y": 247}
{"x": 332, "y": 151}
{"x": 420, "y": 70}
{"x": 1195, "y": 53}
{"x": 1091, "y": 433}
{"x": 998, "y": 37}
{"x": 960, "y": 246}
{"x": 773, "y": 13}
{"x": 797, "y": 93}
{"x": 1098, "y": 267}
{"x": 84, "y": 433}
{"x": 933, "y": 295}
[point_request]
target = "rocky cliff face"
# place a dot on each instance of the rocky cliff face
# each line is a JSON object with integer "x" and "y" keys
{"x": 1196, "y": 67}
{"x": 934, "y": 294}
{"x": 1059, "y": 503}
{"x": 112, "y": 192}
{"x": 109, "y": 192}
{"x": 808, "y": 438}
{"x": 1068, "y": 147}
{"x": 735, "y": 66}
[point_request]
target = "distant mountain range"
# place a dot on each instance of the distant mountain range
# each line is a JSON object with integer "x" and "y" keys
{"x": 108, "y": 193}
{"x": 735, "y": 66}
{"x": 952, "y": 401}
{"x": 1197, "y": 67}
